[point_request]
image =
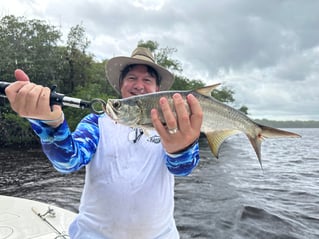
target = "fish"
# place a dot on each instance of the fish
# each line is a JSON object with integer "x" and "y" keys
{"x": 220, "y": 121}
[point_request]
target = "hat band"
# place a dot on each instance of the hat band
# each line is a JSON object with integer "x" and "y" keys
{"x": 144, "y": 57}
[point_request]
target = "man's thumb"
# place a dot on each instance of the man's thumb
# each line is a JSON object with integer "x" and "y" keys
{"x": 20, "y": 75}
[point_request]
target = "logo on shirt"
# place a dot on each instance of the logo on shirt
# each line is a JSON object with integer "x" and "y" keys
{"x": 154, "y": 139}
{"x": 136, "y": 134}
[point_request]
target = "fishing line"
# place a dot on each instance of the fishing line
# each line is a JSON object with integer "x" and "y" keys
{"x": 50, "y": 212}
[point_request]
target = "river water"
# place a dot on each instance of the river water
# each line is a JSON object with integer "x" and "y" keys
{"x": 229, "y": 197}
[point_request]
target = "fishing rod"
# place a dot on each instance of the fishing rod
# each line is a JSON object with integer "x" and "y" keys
{"x": 97, "y": 105}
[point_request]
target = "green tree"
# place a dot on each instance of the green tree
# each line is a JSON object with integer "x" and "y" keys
{"x": 224, "y": 94}
{"x": 29, "y": 45}
{"x": 162, "y": 55}
{"x": 32, "y": 45}
{"x": 244, "y": 109}
{"x": 97, "y": 87}
{"x": 183, "y": 83}
{"x": 78, "y": 61}
{"x": 151, "y": 45}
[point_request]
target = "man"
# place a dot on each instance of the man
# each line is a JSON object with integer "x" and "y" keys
{"x": 129, "y": 184}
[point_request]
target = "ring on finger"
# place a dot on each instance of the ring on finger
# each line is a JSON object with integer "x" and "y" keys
{"x": 173, "y": 131}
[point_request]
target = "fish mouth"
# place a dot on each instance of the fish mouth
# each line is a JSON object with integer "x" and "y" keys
{"x": 110, "y": 111}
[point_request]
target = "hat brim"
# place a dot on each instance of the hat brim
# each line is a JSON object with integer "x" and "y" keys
{"x": 115, "y": 66}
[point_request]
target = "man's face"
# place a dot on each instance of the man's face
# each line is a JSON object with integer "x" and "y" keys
{"x": 138, "y": 81}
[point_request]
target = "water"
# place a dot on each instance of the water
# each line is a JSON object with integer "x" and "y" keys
{"x": 229, "y": 197}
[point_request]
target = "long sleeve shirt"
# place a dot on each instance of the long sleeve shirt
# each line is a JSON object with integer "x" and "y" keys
{"x": 129, "y": 181}
{"x": 69, "y": 152}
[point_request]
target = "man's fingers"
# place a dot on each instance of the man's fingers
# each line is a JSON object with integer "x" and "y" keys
{"x": 156, "y": 122}
{"x": 169, "y": 116}
{"x": 181, "y": 113}
{"x": 196, "y": 117}
{"x": 23, "y": 103}
{"x": 187, "y": 120}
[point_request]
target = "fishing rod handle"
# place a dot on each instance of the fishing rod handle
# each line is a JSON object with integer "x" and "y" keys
{"x": 55, "y": 98}
{"x": 3, "y": 86}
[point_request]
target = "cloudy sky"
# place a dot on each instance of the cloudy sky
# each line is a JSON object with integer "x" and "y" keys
{"x": 266, "y": 51}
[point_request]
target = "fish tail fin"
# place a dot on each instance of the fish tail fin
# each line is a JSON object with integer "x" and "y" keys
{"x": 216, "y": 138}
{"x": 256, "y": 143}
{"x": 268, "y": 132}
{"x": 207, "y": 90}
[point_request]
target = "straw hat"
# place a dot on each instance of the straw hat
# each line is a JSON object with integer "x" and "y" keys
{"x": 140, "y": 55}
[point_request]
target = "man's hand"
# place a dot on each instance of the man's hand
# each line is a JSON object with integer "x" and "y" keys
{"x": 30, "y": 100}
{"x": 181, "y": 130}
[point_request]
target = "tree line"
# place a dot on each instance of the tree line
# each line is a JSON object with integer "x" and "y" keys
{"x": 289, "y": 123}
{"x": 37, "y": 48}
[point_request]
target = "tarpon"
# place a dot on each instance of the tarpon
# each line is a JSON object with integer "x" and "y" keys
{"x": 220, "y": 120}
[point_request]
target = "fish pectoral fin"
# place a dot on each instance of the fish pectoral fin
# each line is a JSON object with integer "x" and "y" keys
{"x": 216, "y": 139}
{"x": 207, "y": 90}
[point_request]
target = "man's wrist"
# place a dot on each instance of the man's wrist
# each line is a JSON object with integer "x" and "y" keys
{"x": 54, "y": 123}
{"x": 182, "y": 150}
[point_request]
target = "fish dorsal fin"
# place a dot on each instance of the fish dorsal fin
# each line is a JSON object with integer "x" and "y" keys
{"x": 207, "y": 90}
{"x": 216, "y": 139}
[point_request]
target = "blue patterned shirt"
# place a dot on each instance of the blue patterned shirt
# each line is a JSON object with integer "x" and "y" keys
{"x": 69, "y": 151}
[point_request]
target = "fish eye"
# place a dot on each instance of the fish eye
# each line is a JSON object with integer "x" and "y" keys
{"x": 116, "y": 104}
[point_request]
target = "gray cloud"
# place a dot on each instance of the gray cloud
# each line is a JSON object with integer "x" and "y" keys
{"x": 267, "y": 51}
